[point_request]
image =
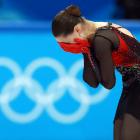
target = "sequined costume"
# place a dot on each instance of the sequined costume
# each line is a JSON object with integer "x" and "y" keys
{"x": 125, "y": 57}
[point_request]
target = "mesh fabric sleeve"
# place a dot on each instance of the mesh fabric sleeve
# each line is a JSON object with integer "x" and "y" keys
{"x": 89, "y": 75}
{"x": 103, "y": 54}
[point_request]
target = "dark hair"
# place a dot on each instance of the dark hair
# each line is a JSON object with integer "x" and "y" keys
{"x": 64, "y": 21}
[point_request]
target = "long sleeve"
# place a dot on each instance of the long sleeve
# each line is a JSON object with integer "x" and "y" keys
{"x": 89, "y": 75}
{"x": 103, "y": 50}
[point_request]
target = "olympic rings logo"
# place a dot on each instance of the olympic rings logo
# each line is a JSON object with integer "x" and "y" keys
{"x": 45, "y": 99}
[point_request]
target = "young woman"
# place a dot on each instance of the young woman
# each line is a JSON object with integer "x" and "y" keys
{"x": 105, "y": 46}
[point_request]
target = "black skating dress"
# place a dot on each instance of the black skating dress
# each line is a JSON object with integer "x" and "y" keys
{"x": 105, "y": 41}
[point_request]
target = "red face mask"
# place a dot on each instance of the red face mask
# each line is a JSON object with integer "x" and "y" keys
{"x": 80, "y": 46}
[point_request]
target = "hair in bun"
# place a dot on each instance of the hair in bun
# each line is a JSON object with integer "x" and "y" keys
{"x": 64, "y": 21}
{"x": 73, "y": 11}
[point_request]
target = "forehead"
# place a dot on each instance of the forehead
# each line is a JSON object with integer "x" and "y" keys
{"x": 60, "y": 38}
{"x": 66, "y": 39}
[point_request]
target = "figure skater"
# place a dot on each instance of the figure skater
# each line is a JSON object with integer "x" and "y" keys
{"x": 105, "y": 47}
